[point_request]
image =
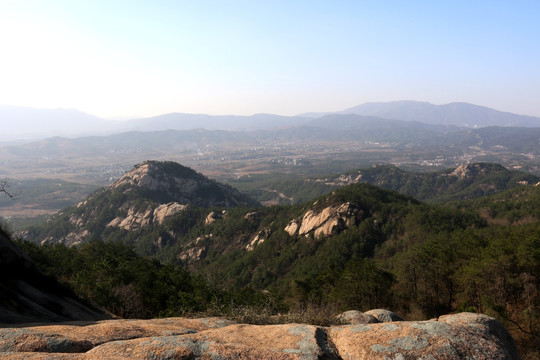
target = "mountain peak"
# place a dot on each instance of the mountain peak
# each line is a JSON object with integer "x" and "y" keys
{"x": 166, "y": 181}
{"x": 149, "y": 194}
{"x": 155, "y": 175}
{"x": 456, "y": 113}
{"x": 477, "y": 170}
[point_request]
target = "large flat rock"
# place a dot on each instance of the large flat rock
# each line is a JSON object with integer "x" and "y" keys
{"x": 459, "y": 336}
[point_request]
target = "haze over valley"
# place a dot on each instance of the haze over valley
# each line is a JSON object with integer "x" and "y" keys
{"x": 24, "y": 124}
{"x": 229, "y": 147}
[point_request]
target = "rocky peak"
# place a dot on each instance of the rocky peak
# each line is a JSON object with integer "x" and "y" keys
{"x": 156, "y": 175}
{"x": 171, "y": 182}
{"x": 149, "y": 194}
{"x": 472, "y": 170}
{"x": 213, "y": 216}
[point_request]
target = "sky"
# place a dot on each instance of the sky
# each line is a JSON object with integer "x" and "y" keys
{"x": 116, "y": 58}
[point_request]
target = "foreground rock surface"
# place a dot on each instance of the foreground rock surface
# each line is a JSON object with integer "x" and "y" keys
{"x": 459, "y": 336}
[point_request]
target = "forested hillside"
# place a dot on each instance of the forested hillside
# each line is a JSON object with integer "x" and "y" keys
{"x": 468, "y": 181}
{"x": 357, "y": 247}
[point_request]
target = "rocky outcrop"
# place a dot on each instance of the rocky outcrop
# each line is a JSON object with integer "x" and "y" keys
{"x": 79, "y": 337}
{"x": 140, "y": 176}
{"x": 194, "y": 250}
{"x": 252, "y": 216}
{"x": 137, "y": 219}
{"x": 169, "y": 180}
{"x": 193, "y": 254}
{"x": 163, "y": 211}
{"x": 460, "y": 336}
{"x": 133, "y": 220}
{"x": 344, "y": 180}
{"x": 292, "y": 227}
{"x": 383, "y": 315}
{"x": 258, "y": 239}
{"x": 212, "y": 217}
{"x": 71, "y": 239}
{"x": 331, "y": 220}
{"x": 467, "y": 171}
{"x": 355, "y": 317}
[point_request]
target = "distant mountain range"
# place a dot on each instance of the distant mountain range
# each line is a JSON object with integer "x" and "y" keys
{"x": 181, "y": 121}
{"x": 25, "y": 123}
{"x": 20, "y": 123}
{"x": 329, "y": 128}
{"x": 456, "y": 114}
{"x": 333, "y": 143}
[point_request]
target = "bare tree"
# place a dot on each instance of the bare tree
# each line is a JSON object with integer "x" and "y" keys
{"x": 4, "y": 188}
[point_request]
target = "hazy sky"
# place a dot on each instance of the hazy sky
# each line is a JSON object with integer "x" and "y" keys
{"x": 139, "y": 58}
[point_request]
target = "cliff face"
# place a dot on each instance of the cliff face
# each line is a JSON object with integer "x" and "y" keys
{"x": 26, "y": 295}
{"x": 459, "y": 336}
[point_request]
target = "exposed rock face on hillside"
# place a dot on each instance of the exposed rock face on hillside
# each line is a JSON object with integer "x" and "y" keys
{"x": 460, "y": 336}
{"x": 469, "y": 170}
{"x": 212, "y": 217}
{"x": 193, "y": 254}
{"x": 329, "y": 221}
{"x": 258, "y": 239}
{"x": 138, "y": 219}
{"x": 26, "y": 295}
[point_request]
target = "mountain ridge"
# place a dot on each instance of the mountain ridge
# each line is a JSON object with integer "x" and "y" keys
{"x": 455, "y": 113}
{"x": 31, "y": 123}
{"x": 467, "y": 181}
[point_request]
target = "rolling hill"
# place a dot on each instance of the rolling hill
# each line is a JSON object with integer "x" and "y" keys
{"x": 147, "y": 195}
{"x": 467, "y": 181}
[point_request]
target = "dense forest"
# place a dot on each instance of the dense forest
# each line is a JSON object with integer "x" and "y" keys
{"x": 420, "y": 244}
{"x": 468, "y": 181}
{"x": 419, "y": 260}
